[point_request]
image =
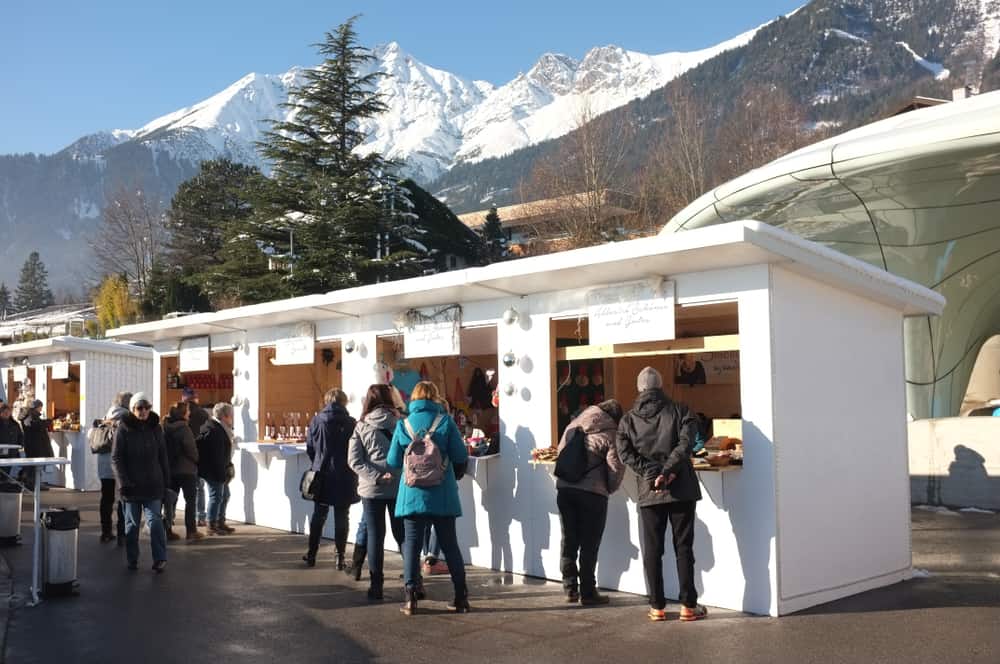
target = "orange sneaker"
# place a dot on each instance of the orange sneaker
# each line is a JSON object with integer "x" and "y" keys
{"x": 657, "y": 615}
{"x": 696, "y": 612}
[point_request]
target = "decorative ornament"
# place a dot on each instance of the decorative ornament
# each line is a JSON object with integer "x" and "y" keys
{"x": 510, "y": 316}
{"x": 509, "y": 359}
{"x": 509, "y": 389}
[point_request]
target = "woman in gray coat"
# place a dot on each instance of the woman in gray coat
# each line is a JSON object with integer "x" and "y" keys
{"x": 377, "y": 482}
{"x": 109, "y": 502}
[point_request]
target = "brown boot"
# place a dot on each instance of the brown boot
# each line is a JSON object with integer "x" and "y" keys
{"x": 194, "y": 535}
{"x": 172, "y": 536}
{"x": 229, "y": 530}
{"x": 409, "y": 601}
{"x": 213, "y": 529}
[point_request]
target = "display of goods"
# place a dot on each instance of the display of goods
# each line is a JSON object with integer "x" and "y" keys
{"x": 544, "y": 454}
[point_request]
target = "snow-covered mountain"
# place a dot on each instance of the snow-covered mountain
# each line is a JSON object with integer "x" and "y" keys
{"x": 434, "y": 118}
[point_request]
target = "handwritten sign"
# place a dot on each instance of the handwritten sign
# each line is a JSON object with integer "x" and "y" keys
{"x": 20, "y": 373}
{"x": 433, "y": 339}
{"x": 300, "y": 348}
{"x": 194, "y": 354}
{"x": 60, "y": 370}
{"x": 631, "y": 312}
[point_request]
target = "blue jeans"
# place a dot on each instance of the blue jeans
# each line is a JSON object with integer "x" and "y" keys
{"x": 415, "y": 527}
{"x": 202, "y": 514}
{"x": 361, "y": 538}
{"x": 432, "y": 548}
{"x": 218, "y": 498}
{"x": 374, "y": 511}
{"x": 134, "y": 510}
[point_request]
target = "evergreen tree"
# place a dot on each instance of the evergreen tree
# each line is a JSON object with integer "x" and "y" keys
{"x": 494, "y": 237}
{"x": 219, "y": 205}
{"x": 6, "y": 306}
{"x": 33, "y": 286}
{"x": 168, "y": 291}
{"x": 325, "y": 191}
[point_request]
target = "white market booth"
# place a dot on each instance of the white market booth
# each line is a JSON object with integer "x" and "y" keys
{"x": 794, "y": 349}
{"x": 76, "y": 379}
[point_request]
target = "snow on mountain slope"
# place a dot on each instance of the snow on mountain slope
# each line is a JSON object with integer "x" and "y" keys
{"x": 545, "y": 102}
{"x": 434, "y": 118}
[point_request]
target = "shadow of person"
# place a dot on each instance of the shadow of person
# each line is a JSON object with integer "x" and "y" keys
{"x": 299, "y": 509}
{"x": 498, "y": 502}
{"x": 468, "y": 536}
{"x": 616, "y": 558}
{"x": 535, "y": 501}
{"x": 754, "y": 532}
{"x": 248, "y": 465}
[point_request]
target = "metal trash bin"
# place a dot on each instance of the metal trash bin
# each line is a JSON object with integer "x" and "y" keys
{"x": 60, "y": 531}
{"x": 10, "y": 512}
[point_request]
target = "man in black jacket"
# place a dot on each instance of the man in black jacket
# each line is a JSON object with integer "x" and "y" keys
{"x": 36, "y": 440}
{"x": 197, "y": 417}
{"x": 655, "y": 439}
{"x": 215, "y": 453}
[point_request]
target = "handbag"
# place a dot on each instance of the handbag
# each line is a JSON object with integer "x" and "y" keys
{"x": 311, "y": 484}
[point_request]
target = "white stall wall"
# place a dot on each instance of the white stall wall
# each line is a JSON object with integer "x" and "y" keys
{"x": 840, "y": 421}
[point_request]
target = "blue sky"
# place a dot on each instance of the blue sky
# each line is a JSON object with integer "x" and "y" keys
{"x": 68, "y": 68}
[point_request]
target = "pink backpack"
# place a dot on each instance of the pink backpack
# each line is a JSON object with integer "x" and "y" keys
{"x": 423, "y": 462}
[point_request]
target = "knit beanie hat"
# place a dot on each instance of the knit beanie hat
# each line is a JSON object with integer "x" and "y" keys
{"x": 649, "y": 379}
{"x": 138, "y": 398}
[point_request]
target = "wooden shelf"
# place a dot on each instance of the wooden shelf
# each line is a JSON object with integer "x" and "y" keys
{"x": 720, "y": 343}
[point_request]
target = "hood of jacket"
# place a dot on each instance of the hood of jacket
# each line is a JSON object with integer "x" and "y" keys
{"x": 335, "y": 409}
{"x": 381, "y": 418}
{"x": 133, "y": 423}
{"x": 649, "y": 403}
{"x": 172, "y": 425}
{"x": 595, "y": 420}
{"x": 425, "y": 406}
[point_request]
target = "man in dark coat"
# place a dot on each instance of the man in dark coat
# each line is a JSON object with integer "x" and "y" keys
{"x": 655, "y": 440}
{"x": 10, "y": 432}
{"x": 215, "y": 453}
{"x": 327, "y": 444}
{"x": 197, "y": 417}
{"x": 36, "y": 439}
{"x": 142, "y": 470}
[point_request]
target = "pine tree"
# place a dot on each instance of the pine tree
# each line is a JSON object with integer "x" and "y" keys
{"x": 6, "y": 306}
{"x": 33, "y": 286}
{"x": 494, "y": 237}
{"x": 216, "y": 207}
{"x": 324, "y": 191}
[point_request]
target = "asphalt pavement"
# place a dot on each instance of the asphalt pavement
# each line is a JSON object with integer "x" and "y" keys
{"x": 248, "y": 598}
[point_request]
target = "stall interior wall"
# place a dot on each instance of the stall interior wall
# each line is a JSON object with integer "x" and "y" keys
{"x": 63, "y": 395}
{"x": 297, "y": 388}
{"x": 840, "y": 422}
{"x": 212, "y": 386}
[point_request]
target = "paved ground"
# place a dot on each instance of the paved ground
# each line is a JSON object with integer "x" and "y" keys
{"x": 247, "y": 598}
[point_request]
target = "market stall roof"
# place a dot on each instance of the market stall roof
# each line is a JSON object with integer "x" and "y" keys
{"x": 57, "y": 344}
{"x": 724, "y": 246}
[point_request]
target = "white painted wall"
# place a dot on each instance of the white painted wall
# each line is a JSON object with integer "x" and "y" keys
{"x": 840, "y": 433}
{"x": 955, "y": 461}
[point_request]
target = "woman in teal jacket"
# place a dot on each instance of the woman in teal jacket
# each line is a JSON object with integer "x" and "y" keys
{"x": 436, "y": 505}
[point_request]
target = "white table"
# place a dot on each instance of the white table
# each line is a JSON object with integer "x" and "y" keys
{"x": 34, "y": 462}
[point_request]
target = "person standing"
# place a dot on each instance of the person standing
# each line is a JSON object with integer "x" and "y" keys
{"x": 655, "y": 440}
{"x": 197, "y": 417}
{"x": 36, "y": 440}
{"x": 216, "y": 444}
{"x": 326, "y": 444}
{"x": 377, "y": 482}
{"x": 583, "y": 504}
{"x": 182, "y": 453}
{"x": 437, "y": 504}
{"x": 10, "y": 432}
{"x": 139, "y": 458}
{"x": 106, "y": 473}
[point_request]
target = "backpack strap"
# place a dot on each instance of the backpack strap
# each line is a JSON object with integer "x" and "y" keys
{"x": 434, "y": 425}
{"x": 409, "y": 429}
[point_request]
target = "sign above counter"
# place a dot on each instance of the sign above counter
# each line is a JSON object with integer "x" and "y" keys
{"x": 433, "y": 334}
{"x": 194, "y": 354}
{"x": 299, "y": 348}
{"x": 631, "y": 312}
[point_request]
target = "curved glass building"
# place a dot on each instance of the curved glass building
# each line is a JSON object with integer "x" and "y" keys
{"x": 916, "y": 194}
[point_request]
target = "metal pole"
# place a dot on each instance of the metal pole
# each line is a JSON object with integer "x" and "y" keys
{"x": 36, "y": 551}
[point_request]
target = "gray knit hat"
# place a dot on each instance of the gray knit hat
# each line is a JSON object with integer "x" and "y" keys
{"x": 649, "y": 379}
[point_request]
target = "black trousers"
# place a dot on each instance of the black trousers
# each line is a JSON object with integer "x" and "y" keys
{"x": 341, "y": 515}
{"x": 653, "y": 521}
{"x": 109, "y": 505}
{"x": 582, "y": 515}
{"x": 188, "y": 484}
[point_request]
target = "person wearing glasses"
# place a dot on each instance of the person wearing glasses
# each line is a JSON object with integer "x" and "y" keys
{"x": 139, "y": 458}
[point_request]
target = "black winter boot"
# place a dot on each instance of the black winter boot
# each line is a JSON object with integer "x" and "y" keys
{"x": 409, "y": 607}
{"x": 357, "y": 561}
{"x": 310, "y": 557}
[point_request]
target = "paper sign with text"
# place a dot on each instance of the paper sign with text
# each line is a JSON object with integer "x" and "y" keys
{"x": 434, "y": 339}
{"x": 194, "y": 354}
{"x": 631, "y": 312}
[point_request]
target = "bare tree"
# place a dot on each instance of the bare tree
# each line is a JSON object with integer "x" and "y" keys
{"x": 576, "y": 191}
{"x": 764, "y": 125}
{"x": 130, "y": 238}
{"x": 677, "y": 168}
